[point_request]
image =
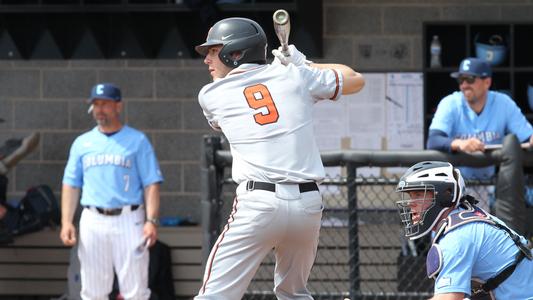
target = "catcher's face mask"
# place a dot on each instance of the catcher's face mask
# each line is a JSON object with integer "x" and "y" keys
{"x": 413, "y": 207}
{"x": 427, "y": 190}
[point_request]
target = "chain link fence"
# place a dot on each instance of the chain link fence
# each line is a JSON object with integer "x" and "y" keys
{"x": 362, "y": 252}
{"x": 385, "y": 263}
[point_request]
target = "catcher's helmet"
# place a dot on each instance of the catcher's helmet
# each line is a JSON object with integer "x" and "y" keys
{"x": 440, "y": 178}
{"x": 237, "y": 34}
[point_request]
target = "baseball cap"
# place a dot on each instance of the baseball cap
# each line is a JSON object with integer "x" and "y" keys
{"x": 474, "y": 67}
{"x": 106, "y": 91}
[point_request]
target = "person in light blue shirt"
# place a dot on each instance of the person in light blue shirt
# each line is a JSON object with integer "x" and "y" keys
{"x": 473, "y": 253}
{"x": 475, "y": 116}
{"x": 114, "y": 168}
{"x": 477, "y": 250}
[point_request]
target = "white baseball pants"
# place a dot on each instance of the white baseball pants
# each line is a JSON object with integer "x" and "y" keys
{"x": 108, "y": 244}
{"x": 286, "y": 221}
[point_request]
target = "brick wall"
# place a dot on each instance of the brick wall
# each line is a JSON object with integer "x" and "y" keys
{"x": 160, "y": 95}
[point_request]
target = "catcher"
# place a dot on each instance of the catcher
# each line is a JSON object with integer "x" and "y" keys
{"x": 473, "y": 253}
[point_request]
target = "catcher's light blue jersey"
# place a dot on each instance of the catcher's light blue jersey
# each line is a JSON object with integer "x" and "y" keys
{"x": 499, "y": 117}
{"x": 112, "y": 170}
{"x": 480, "y": 250}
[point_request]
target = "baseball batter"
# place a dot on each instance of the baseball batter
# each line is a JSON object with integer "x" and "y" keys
{"x": 265, "y": 111}
{"x": 117, "y": 170}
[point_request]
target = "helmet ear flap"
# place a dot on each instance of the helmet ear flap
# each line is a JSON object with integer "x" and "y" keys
{"x": 446, "y": 200}
{"x": 232, "y": 58}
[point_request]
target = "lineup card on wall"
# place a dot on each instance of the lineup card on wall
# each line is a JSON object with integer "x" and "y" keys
{"x": 386, "y": 115}
{"x": 405, "y": 113}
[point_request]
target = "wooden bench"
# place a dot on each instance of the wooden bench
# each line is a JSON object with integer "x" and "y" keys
{"x": 36, "y": 264}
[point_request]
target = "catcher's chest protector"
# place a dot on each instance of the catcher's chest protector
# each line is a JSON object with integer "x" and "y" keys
{"x": 434, "y": 257}
{"x": 481, "y": 290}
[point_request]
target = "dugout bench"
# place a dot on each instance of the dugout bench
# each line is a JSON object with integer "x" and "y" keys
{"x": 35, "y": 265}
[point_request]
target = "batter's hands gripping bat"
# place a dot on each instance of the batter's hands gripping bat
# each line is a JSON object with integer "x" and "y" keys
{"x": 282, "y": 26}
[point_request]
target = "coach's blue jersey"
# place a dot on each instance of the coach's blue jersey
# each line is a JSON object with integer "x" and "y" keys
{"x": 112, "y": 171}
{"x": 480, "y": 250}
{"x": 499, "y": 117}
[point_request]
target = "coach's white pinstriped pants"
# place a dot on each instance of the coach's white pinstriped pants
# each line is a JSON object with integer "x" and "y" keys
{"x": 108, "y": 244}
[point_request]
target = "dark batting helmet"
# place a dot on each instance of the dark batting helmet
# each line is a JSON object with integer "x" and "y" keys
{"x": 237, "y": 34}
{"x": 448, "y": 189}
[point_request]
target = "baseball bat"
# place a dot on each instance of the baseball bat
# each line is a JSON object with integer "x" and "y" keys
{"x": 282, "y": 26}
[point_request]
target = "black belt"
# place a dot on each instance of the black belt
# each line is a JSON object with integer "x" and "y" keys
{"x": 112, "y": 211}
{"x": 271, "y": 187}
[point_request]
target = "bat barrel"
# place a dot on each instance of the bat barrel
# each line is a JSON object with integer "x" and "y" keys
{"x": 280, "y": 17}
{"x": 282, "y": 26}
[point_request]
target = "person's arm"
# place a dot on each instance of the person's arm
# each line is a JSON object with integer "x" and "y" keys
{"x": 449, "y": 296}
{"x": 469, "y": 145}
{"x": 460, "y": 249}
{"x": 353, "y": 82}
{"x": 439, "y": 140}
{"x": 69, "y": 202}
{"x": 151, "y": 200}
{"x": 151, "y": 178}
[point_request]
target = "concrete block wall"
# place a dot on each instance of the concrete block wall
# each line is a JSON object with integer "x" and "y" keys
{"x": 160, "y": 95}
{"x": 385, "y": 35}
{"x": 160, "y": 100}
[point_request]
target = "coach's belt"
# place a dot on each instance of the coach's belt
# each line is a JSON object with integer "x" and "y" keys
{"x": 271, "y": 187}
{"x": 112, "y": 211}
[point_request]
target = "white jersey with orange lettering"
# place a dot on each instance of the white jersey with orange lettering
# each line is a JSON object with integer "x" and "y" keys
{"x": 265, "y": 112}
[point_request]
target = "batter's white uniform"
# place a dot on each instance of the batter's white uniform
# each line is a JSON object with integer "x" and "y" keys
{"x": 266, "y": 111}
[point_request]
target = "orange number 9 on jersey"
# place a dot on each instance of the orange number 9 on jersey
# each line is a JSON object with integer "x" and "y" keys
{"x": 258, "y": 96}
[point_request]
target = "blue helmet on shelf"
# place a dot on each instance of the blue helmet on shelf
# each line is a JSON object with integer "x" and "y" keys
{"x": 493, "y": 49}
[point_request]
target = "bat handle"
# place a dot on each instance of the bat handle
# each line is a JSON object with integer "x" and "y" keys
{"x": 285, "y": 50}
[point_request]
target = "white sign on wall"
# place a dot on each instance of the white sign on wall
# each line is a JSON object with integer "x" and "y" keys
{"x": 386, "y": 115}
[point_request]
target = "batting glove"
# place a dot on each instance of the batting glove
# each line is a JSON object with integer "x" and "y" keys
{"x": 295, "y": 57}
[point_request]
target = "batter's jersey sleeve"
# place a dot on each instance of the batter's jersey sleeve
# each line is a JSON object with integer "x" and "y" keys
{"x": 322, "y": 83}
